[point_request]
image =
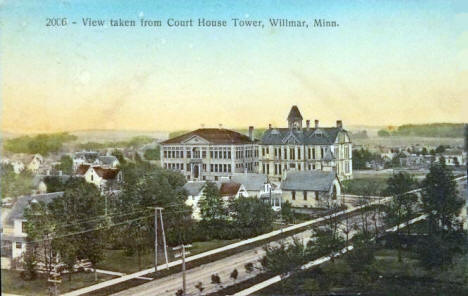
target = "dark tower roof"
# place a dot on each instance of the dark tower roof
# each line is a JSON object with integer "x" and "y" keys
{"x": 294, "y": 114}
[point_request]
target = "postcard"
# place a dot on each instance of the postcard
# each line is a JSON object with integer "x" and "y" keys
{"x": 234, "y": 147}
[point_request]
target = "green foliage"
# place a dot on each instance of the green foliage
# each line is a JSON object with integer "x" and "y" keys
{"x": 133, "y": 142}
{"x": 152, "y": 154}
{"x": 66, "y": 165}
{"x": 403, "y": 206}
{"x": 287, "y": 213}
{"x": 14, "y": 185}
{"x": 365, "y": 186}
{"x": 383, "y": 133}
{"x": 363, "y": 253}
{"x": 439, "y": 249}
{"x": 285, "y": 257}
{"x": 440, "y": 198}
{"x": 148, "y": 186}
{"x": 212, "y": 209}
{"x": 450, "y": 130}
{"x": 42, "y": 143}
{"x": 361, "y": 157}
{"x": 250, "y": 216}
{"x": 54, "y": 184}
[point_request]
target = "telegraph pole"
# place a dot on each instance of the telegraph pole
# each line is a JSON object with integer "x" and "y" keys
{"x": 182, "y": 254}
{"x": 156, "y": 210}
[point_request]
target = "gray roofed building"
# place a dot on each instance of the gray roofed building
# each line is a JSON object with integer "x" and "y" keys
{"x": 194, "y": 188}
{"x": 311, "y": 136}
{"x": 308, "y": 180}
{"x": 17, "y": 211}
{"x": 251, "y": 181}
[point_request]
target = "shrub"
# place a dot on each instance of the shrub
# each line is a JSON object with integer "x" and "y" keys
{"x": 234, "y": 274}
{"x": 215, "y": 279}
{"x": 248, "y": 267}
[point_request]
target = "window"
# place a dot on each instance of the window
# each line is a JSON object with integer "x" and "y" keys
{"x": 23, "y": 227}
{"x": 293, "y": 195}
{"x": 18, "y": 245}
{"x": 305, "y": 195}
{"x": 316, "y": 195}
{"x": 298, "y": 153}
{"x": 92, "y": 177}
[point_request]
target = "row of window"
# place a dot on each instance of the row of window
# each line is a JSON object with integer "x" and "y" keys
{"x": 304, "y": 195}
{"x": 282, "y": 153}
{"x": 278, "y": 168}
{"x": 226, "y": 154}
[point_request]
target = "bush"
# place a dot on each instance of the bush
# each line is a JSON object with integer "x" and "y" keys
{"x": 234, "y": 274}
{"x": 215, "y": 279}
{"x": 249, "y": 267}
{"x": 199, "y": 286}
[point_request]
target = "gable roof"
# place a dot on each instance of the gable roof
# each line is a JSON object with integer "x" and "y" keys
{"x": 308, "y": 180}
{"x": 107, "y": 159}
{"x": 213, "y": 136}
{"x": 251, "y": 181}
{"x": 17, "y": 211}
{"x": 311, "y": 136}
{"x": 194, "y": 188}
{"x": 229, "y": 188}
{"x": 294, "y": 113}
{"x": 82, "y": 169}
{"x": 107, "y": 174}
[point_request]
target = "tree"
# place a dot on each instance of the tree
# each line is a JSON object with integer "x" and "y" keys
{"x": 66, "y": 164}
{"x": 285, "y": 257}
{"x": 234, "y": 274}
{"x": 14, "y": 185}
{"x": 152, "y": 154}
{"x": 80, "y": 210}
{"x": 215, "y": 279}
{"x": 440, "y": 198}
{"x": 40, "y": 230}
{"x": 383, "y": 133}
{"x": 440, "y": 149}
{"x": 250, "y": 216}
{"x": 287, "y": 213}
{"x": 199, "y": 286}
{"x": 249, "y": 267}
{"x": 213, "y": 211}
{"x": 363, "y": 253}
{"x": 54, "y": 184}
{"x": 401, "y": 207}
{"x": 119, "y": 155}
{"x": 440, "y": 201}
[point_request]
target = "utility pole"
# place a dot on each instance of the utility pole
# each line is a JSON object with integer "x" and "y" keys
{"x": 156, "y": 210}
{"x": 182, "y": 254}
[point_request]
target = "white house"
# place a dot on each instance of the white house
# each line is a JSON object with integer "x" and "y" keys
{"x": 103, "y": 178}
{"x": 227, "y": 189}
{"x": 13, "y": 232}
{"x": 311, "y": 189}
{"x": 35, "y": 163}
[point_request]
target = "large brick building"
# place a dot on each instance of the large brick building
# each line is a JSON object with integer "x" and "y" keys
{"x": 210, "y": 153}
{"x": 299, "y": 147}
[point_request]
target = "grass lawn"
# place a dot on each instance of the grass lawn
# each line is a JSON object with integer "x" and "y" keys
{"x": 116, "y": 260}
{"x": 366, "y": 186}
{"x": 13, "y": 283}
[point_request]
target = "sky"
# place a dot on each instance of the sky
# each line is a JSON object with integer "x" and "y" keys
{"x": 388, "y": 63}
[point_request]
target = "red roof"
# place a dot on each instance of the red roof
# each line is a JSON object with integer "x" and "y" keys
{"x": 82, "y": 169}
{"x": 214, "y": 136}
{"x": 229, "y": 188}
{"x": 107, "y": 174}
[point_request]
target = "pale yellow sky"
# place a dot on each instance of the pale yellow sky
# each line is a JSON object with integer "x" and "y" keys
{"x": 367, "y": 72}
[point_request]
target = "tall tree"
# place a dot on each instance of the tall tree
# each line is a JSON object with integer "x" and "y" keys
{"x": 403, "y": 204}
{"x": 446, "y": 239}
{"x": 251, "y": 216}
{"x": 212, "y": 207}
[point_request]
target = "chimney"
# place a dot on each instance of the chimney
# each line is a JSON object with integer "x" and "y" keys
{"x": 339, "y": 124}
{"x": 251, "y": 129}
{"x": 220, "y": 125}
{"x": 308, "y": 124}
{"x": 316, "y": 123}
{"x": 269, "y": 126}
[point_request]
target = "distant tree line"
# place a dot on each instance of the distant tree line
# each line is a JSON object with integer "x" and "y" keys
{"x": 450, "y": 130}
{"x": 42, "y": 143}
{"x": 133, "y": 142}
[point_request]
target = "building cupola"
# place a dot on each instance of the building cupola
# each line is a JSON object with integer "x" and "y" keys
{"x": 294, "y": 118}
